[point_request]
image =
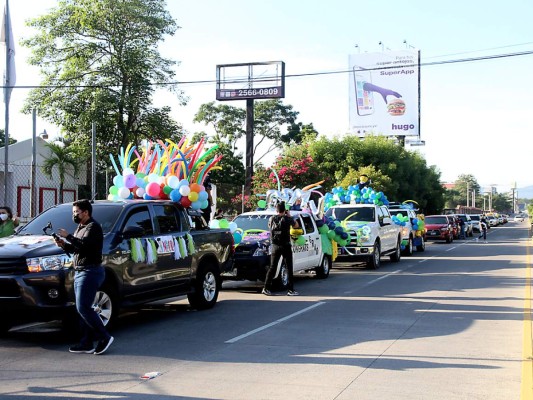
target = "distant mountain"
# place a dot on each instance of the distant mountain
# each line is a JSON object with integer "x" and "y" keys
{"x": 525, "y": 192}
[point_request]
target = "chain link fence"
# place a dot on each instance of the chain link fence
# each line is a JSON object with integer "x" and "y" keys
{"x": 48, "y": 191}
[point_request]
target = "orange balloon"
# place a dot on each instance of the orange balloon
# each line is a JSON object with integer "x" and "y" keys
{"x": 195, "y": 187}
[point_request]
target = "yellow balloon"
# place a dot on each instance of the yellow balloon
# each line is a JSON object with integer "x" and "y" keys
{"x": 193, "y": 196}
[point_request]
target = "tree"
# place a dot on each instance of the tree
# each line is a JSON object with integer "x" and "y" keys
{"x": 60, "y": 159}
{"x": 501, "y": 203}
{"x": 100, "y": 62}
{"x": 229, "y": 123}
{"x": 464, "y": 186}
{"x": 3, "y": 139}
{"x": 298, "y": 132}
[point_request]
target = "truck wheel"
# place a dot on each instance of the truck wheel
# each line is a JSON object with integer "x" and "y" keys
{"x": 422, "y": 246}
{"x": 282, "y": 281}
{"x": 322, "y": 271}
{"x": 397, "y": 255}
{"x": 206, "y": 288}
{"x": 106, "y": 304}
{"x": 408, "y": 251}
{"x": 374, "y": 262}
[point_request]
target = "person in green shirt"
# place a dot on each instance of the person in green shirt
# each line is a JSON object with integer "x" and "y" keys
{"x": 7, "y": 222}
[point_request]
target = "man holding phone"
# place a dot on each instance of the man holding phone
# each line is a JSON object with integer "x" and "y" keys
{"x": 279, "y": 226}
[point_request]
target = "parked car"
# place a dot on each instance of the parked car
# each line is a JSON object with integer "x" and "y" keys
{"x": 519, "y": 218}
{"x": 382, "y": 236}
{"x": 475, "y": 219}
{"x": 469, "y": 228}
{"x": 454, "y": 222}
{"x": 493, "y": 221}
{"x": 410, "y": 239}
{"x": 152, "y": 250}
{"x": 439, "y": 227}
{"x": 252, "y": 254}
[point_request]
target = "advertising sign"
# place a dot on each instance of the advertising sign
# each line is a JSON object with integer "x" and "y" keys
{"x": 384, "y": 93}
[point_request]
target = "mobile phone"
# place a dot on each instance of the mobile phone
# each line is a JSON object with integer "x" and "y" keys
{"x": 363, "y": 98}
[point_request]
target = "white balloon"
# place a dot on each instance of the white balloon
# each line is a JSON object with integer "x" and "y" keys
{"x": 185, "y": 190}
{"x": 140, "y": 192}
{"x": 123, "y": 192}
{"x": 232, "y": 227}
{"x": 127, "y": 171}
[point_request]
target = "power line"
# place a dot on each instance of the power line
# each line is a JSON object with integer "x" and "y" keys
{"x": 210, "y": 81}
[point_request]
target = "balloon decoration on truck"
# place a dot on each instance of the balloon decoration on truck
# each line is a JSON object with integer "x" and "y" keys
{"x": 354, "y": 194}
{"x": 164, "y": 170}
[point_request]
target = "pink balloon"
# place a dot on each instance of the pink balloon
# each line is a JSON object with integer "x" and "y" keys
{"x": 153, "y": 189}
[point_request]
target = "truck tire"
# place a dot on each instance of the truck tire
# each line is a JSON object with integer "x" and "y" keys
{"x": 206, "y": 288}
{"x": 397, "y": 255}
{"x": 408, "y": 251}
{"x": 422, "y": 246}
{"x": 282, "y": 281}
{"x": 105, "y": 304}
{"x": 322, "y": 271}
{"x": 374, "y": 262}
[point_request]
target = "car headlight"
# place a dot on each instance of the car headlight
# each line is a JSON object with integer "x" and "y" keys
{"x": 405, "y": 231}
{"x": 49, "y": 263}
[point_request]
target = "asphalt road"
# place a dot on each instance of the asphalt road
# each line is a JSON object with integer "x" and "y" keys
{"x": 447, "y": 323}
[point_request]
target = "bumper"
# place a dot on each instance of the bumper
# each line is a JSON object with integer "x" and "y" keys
{"x": 356, "y": 252}
{"x": 36, "y": 297}
{"x": 248, "y": 268}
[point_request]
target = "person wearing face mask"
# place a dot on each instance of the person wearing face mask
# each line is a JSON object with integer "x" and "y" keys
{"x": 7, "y": 222}
{"x": 86, "y": 245}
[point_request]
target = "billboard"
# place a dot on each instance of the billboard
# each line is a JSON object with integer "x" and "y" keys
{"x": 385, "y": 93}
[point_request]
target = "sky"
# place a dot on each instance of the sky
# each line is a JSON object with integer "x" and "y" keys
{"x": 476, "y": 117}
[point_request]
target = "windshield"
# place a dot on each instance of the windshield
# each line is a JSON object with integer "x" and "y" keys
{"x": 246, "y": 222}
{"x": 475, "y": 217}
{"x": 436, "y": 221}
{"x": 61, "y": 217}
{"x": 365, "y": 214}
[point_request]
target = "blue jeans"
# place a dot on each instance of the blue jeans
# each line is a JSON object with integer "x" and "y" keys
{"x": 86, "y": 284}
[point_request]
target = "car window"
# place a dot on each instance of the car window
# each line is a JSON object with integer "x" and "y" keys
{"x": 308, "y": 224}
{"x": 436, "y": 220}
{"x": 140, "y": 218}
{"x": 167, "y": 220}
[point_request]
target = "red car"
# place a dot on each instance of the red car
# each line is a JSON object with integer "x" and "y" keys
{"x": 439, "y": 227}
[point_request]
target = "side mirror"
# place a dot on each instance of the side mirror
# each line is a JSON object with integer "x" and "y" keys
{"x": 132, "y": 232}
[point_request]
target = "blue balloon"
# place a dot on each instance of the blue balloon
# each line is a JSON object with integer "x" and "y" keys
{"x": 175, "y": 195}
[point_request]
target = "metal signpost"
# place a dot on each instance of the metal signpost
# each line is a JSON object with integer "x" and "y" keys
{"x": 249, "y": 81}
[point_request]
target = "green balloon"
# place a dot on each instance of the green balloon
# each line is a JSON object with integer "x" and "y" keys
{"x": 331, "y": 234}
{"x": 223, "y": 223}
{"x": 300, "y": 241}
{"x": 113, "y": 190}
{"x": 262, "y": 204}
{"x": 323, "y": 229}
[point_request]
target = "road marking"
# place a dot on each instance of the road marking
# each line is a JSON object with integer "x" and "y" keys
{"x": 279, "y": 321}
{"x": 527, "y": 345}
{"x": 451, "y": 248}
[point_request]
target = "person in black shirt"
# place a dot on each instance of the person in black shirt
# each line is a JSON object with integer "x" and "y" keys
{"x": 86, "y": 244}
{"x": 279, "y": 226}
{"x": 206, "y": 212}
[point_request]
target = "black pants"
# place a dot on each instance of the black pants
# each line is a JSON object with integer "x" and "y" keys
{"x": 278, "y": 252}
{"x": 483, "y": 234}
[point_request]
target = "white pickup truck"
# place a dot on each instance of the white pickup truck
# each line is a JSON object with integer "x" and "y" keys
{"x": 252, "y": 254}
{"x": 373, "y": 234}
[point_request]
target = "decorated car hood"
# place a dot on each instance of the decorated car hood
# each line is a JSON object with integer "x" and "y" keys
{"x": 251, "y": 241}
{"x": 20, "y": 246}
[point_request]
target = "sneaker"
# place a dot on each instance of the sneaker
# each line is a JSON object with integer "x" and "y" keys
{"x": 82, "y": 348}
{"x": 266, "y": 292}
{"x": 292, "y": 293}
{"x": 103, "y": 345}
{"x": 477, "y": 239}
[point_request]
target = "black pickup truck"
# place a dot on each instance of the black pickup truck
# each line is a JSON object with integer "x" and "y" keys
{"x": 152, "y": 250}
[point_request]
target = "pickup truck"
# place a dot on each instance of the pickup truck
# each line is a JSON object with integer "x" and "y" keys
{"x": 411, "y": 238}
{"x": 152, "y": 251}
{"x": 372, "y": 233}
{"x": 252, "y": 254}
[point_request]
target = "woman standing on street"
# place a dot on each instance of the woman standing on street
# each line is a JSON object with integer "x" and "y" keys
{"x": 8, "y": 222}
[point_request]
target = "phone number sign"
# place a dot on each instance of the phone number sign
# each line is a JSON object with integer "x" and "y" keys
{"x": 260, "y": 93}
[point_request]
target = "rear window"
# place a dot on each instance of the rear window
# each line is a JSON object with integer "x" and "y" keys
{"x": 436, "y": 220}
{"x": 475, "y": 218}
